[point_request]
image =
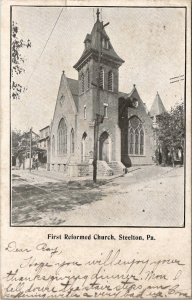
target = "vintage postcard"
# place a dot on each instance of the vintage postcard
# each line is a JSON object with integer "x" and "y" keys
{"x": 95, "y": 149}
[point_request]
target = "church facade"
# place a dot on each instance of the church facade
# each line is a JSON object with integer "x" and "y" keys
{"x": 125, "y": 136}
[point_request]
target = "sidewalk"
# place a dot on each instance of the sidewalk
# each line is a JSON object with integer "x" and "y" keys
{"x": 51, "y": 176}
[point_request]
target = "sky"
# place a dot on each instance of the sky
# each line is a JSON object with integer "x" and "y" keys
{"x": 151, "y": 41}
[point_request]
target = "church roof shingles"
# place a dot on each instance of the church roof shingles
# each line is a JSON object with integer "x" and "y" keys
{"x": 93, "y": 38}
{"x": 73, "y": 85}
{"x": 157, "y": 107}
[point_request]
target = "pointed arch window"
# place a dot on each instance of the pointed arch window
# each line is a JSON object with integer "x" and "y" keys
{"x": 136, "y": 141}
{"x": 62, "y": 138}
{"x": 101, "y": 78}
{"x": 135, "y": 136}
{"x": 72, "y": 146}
{"x": 53, "y": 145}
{"x": 85, "y": 112}
{"x": 141, "y": 142}
{"x": 131, "y": 142}
{"x": 110, "y": 81}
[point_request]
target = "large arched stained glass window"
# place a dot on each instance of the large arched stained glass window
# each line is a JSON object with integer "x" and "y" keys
{"x": 135, "y": 136}
{"x": 62, "y": 138}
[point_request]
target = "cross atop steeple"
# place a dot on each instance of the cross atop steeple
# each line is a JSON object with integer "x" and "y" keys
{"x": 98, "y": 13}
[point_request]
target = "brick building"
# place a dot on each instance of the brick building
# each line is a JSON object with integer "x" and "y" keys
{"x": 125, "y": 135}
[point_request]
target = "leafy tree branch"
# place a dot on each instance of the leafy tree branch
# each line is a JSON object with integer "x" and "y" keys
{"x": 17, "y": 61}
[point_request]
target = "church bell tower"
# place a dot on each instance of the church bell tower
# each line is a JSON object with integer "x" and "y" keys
{"x": 97, "y": 68}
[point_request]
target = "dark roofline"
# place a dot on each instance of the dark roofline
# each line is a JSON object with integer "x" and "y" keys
{"x": 45, "y": 138}
{"x": 44, "y": 127}
{"x": 91, "y": 51}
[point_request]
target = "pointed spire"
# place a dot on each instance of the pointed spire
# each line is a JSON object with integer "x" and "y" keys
{"x": 92, "y": 44}
{"x": 157, "y": 107}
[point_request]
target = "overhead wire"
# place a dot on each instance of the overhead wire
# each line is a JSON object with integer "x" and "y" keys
{"x": 37, "y": 61}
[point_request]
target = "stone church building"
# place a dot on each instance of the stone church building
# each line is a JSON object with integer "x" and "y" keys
{"x": 126, "y": 134}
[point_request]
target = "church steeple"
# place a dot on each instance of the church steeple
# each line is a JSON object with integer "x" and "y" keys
{"x": 157, "y": 107}
{"x": 98, "y": 38}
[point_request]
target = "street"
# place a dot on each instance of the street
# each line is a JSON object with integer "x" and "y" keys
{"x": 146, "y": 196}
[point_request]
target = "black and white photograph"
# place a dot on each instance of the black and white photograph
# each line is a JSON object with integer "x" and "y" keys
{"x": 98, "y": 126}
{"x": 95, "y": 149}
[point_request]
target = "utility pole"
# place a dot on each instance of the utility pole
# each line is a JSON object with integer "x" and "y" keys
{"x": 98, "y": 117}
{"x": 30, "y": 149}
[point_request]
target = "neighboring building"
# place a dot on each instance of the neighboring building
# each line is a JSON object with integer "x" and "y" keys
{"x": 126, "y": 135}
{"x": 44, "y": 137}
{"x": 43, "y": 145}
{"x": 21, "y": 151}
{"x": 157, "y": 109}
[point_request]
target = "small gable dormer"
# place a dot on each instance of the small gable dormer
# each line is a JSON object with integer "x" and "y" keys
{"x": 87, "y": 41}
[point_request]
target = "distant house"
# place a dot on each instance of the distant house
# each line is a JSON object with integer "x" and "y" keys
{"x": 21, "y": 149}
{"x": 44, "y": 137}
{"x": 43, "y": 144}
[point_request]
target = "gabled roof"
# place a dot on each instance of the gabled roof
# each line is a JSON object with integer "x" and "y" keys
{"x": 74, "y": 88}
{"x": 94, "y": 40}
{"x": 157, "y": 107}
{"x": 130, "y": 97}
{"x": 127, "y": 95}
{"x": 73, "y": 85}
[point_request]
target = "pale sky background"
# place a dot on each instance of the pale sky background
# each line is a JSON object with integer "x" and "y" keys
{"x": 150, "y": 40}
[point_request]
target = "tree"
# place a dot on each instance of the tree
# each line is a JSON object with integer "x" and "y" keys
{"x": 17, "y": 60}
{"x": 170, "y": 131}
{"x": 21, "y": 145}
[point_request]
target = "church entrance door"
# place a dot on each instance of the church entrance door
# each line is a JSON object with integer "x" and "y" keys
{"x": 105, "y": 147}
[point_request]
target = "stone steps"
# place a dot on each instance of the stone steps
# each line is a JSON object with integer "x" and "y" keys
{"x": 103, "y": 169}
{"x": 117, "y": 167}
